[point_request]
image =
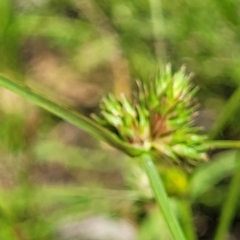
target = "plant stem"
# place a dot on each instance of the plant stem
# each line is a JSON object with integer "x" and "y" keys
{"x": 157, "y": 29}
{"x": 223, "y": 144}
{"x": 230, "y": 204}
{"x": 187, "y": 219}
{"x": 215, "y": 144}
{"x": 162, "y": 198}
{"x": 70, "y": 115}
{"x": 228, "y": 111}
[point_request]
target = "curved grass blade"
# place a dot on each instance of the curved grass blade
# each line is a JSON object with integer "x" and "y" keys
{"x": 204, "y": 177}
{"x": 70, "y": 115}
{"x": 228, "y": 111}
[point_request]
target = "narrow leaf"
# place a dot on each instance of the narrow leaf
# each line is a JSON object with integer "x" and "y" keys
{"x": 70, "y": 115}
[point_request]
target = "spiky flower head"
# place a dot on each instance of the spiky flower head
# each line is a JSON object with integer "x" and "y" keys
{"x": 158, "y": 118}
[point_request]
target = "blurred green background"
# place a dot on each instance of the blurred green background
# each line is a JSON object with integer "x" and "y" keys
{"x": 56, "y": 181}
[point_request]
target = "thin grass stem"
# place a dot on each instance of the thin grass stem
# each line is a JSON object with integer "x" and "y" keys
{"x": 69, "y": 115}
{"x": 228, "y": 111}
{"x": 222, "y": 144}
{"x": 187, "y": 219}
{"x": 157, "y": 29}
{"x": 162, "y": 198}
{"x": 230, "y": 204}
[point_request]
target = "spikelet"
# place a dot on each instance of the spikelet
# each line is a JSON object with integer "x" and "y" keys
{"x": 158, "y": 118}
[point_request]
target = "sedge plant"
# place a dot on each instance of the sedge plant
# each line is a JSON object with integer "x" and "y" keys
{"x": 156, "y": 126}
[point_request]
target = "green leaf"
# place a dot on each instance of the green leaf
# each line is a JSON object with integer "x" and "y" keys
{"x": 70, "y": 116}
{"x": 162, "y": 198}
{"x": 207, "y": 175}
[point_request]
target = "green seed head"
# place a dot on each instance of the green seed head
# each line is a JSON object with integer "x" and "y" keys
{"x": 158, "y": 118}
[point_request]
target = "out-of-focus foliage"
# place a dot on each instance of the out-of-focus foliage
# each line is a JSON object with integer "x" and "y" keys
{"x": 78, "y": 50}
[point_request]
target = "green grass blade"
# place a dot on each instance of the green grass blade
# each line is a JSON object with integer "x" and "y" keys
{"x": 187, "y": 219}
{"x": 158, "y": 30}
{"x": 228, "y": 111}
{"x": 69, "y": 115}
{"x": 229, "y": 207}
{"x": 223, "y": 144}
{"x": 205, "y": 176}
{"x": 162, "y": 198}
